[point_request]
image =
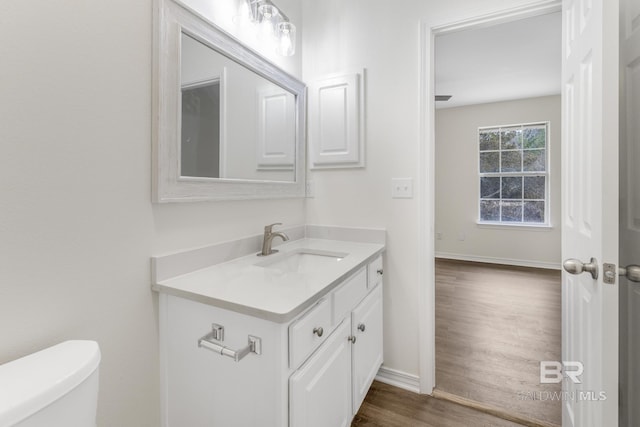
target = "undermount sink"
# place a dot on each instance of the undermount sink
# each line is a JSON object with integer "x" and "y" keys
{"x": 302, "y": 260}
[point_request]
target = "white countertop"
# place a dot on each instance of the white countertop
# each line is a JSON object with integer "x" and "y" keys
{"x": 241, "y": 285}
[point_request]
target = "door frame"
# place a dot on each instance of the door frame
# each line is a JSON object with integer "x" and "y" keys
{"x": 426, "y": 275}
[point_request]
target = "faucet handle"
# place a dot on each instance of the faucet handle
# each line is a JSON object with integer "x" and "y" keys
{"x": 267, "y": 228}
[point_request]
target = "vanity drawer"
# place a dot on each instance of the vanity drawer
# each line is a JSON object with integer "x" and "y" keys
{"x": 308, "y": 332}
{"x": 375, "y": 272}
{"x": 349, "y": 295}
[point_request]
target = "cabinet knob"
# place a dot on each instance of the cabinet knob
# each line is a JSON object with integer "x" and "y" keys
{"x": 361, "y": 327}
{"x": 352, "y": 338}
{"x": 380, "y": 271}
{"x": 318, "y": 331}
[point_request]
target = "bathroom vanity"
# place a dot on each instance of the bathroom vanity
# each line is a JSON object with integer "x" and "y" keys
{"x": 291, "y": 339}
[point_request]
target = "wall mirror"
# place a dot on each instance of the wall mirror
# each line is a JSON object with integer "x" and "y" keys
{"x": 228, "y": 124}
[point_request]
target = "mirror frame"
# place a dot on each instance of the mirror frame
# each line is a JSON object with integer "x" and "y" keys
{"x": 172, "y": 19}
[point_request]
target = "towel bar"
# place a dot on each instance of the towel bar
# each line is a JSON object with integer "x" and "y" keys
{"x": 254, "y": 346}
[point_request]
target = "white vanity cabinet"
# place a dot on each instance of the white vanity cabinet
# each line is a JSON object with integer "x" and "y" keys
{"x": 313, "y": 370}
{"x": 320, "y": 391}
{"x": 330, "y": 387}
{"x": 366, "y": 324}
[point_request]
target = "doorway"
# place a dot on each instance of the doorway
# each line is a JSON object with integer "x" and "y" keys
{"x": 629, "y": 291}
{"x": 497, "y": 219}
{"x": 494, "y": 325}
{"x": 594, "y": 337}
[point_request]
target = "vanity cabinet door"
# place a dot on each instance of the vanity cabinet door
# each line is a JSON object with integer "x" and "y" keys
{"x": 367, "y": 348}
{"x": 320, "y": 391}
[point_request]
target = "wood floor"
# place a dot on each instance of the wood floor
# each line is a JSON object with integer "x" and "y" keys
{"x": 388, "y": 406}
{"x": 494, "y": 324}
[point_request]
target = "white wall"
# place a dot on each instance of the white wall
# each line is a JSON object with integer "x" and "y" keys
{"x": 457, "y": 185}
{"x": 384, "y": 38}
{"x": 77, "y": 226}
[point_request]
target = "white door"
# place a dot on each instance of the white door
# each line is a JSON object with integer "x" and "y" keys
{"x": 590, "y": 211}
{"x": 366, "y": 323}
{"x": 320, "y": 391}
{"x": 630, "y": 211}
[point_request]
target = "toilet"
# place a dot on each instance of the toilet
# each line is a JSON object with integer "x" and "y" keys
{"x": 55, "y": 387}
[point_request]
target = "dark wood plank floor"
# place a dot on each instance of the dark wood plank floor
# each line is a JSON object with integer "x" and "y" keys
{"x": 388, "y": 406}
{"x": 494, "y": 324}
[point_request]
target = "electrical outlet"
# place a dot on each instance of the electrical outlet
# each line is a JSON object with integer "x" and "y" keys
{"x": 461, "y": 236}
{"x": 439, "y": 235}
{"x": 402, "y": 188}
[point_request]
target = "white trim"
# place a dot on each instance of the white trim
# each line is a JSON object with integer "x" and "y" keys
{"x": 426, "y": 274}
{"x": 542, "y": 7}
{"x": 426, "y": 242}
{"x": 504, "y": 261}
{"x": 512, "y": 225}
{"x": 399, "y": 379}
{"x": 513, "y": 125}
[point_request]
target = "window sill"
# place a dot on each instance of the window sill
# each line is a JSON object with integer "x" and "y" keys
{"x": 507, "y": 226}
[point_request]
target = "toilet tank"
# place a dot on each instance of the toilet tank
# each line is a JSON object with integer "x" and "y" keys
{"x": 55, "y": 387}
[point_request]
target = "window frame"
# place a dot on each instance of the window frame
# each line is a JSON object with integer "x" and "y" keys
{"x": 546, "y": 174}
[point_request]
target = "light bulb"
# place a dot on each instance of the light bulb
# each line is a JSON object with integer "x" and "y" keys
{"x": 245, "y": 11}
{"x": 267, "y": 15}
{"x": 267, "y": 12}
{"x": 287, "y": 36}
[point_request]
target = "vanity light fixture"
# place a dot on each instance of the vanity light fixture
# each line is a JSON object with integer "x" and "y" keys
{"x": 273, "y": 23}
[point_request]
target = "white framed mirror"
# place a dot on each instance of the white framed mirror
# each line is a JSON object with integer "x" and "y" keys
{"x": 227, "y": 123}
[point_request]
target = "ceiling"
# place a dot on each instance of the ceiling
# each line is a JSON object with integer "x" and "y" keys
{"x": 513, "y": 60}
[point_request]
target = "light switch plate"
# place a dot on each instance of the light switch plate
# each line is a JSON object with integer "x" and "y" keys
{"x": 402, "y": 188}
{"x": 311, "y": 190}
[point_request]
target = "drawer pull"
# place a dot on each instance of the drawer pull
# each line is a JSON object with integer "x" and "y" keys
{"x": 380, "y": 271}
{"x": 352, "y": 338}
{"x": 254, "y": 346}
{"x": 361, "y": 327}
{"x": 318, "y": 331}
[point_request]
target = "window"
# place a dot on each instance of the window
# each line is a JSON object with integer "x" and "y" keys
{"x": 514, "y": 177}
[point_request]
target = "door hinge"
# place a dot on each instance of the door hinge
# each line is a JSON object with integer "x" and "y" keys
{"x": 610, "y": 273}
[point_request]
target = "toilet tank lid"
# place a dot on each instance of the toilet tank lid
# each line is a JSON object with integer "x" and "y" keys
{"x": 32, "y": 382}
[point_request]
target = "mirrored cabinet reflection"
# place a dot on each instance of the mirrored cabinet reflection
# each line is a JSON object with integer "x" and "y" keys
{"x": 200, "y": 142}
{"x": 239, "y": 106}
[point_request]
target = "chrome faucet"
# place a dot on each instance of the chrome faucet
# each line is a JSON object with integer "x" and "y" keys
{"x": 268, "y": 237}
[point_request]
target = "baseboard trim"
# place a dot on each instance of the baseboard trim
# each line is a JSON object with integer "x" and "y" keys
{"x": 399, "y": 379}
{"x": 504, "y": 261}
{"x": 491, "y": 410}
